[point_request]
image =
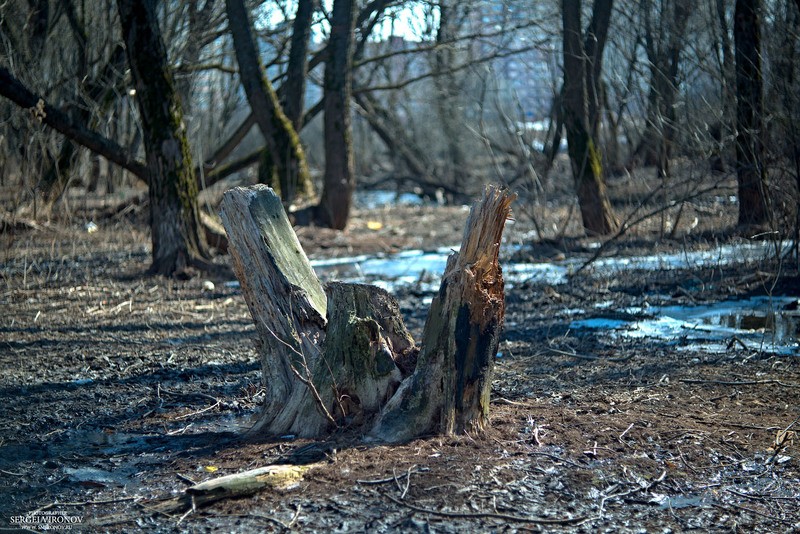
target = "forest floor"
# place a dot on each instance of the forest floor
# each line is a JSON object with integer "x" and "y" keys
{"x": 119, "y": 390}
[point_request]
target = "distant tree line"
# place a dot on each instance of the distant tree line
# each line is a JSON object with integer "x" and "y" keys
{"x": 437, "y": 96}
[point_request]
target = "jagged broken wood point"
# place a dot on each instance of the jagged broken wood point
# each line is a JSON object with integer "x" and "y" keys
{"x": 345, "y": 360}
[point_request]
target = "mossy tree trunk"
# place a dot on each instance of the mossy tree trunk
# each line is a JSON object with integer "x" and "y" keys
{"x": 751, "y": 172}
{"x": 174, "y": 217}
{"x": 280, "y": 136}
{"x": 337, "y": 193}
{"x": 585, "y": 159}
{"x": 294, "y": 88}
{"x": 348, "y": 361}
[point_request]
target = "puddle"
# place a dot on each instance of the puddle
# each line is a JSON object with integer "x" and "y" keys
{"x": 758, "y": 323}
{"x": 380, "y": 198}
{"x": 406, "y": 268}
{"x": 666, "y": 502}
{"x": 426, "y": 267}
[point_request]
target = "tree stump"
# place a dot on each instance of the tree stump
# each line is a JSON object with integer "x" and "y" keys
{"x": 449, "y": 390}
{"x": 348, "y": 361}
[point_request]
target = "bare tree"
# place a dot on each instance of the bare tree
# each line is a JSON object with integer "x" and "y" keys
{"x": 337, "y": 193}
{"x": 281, "y": 139}
{"x": 174, "y": 218}
{"x": 664, "y": 45}
{"x": 587, "y": 167}
{"x": 751, "y": 171}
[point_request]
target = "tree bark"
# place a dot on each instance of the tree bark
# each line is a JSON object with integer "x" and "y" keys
{"x": 337, "y": 193}
{"x": 359, "y": 368}
{"x": 587, "y": 167}
{"x": 285, "y": 299}
{"x": 319, "y": 374}
{"x": 449, "y": 390}
{"x": 294, "y": 88}
{"x": 174, "y": 216}
{"x": 281, "y": 138}
{"x": 751, "y": 172}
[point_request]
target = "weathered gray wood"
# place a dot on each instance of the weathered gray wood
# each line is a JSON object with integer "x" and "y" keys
{"x": 351, "y": 369}
{"x": 287, "y": 303}
{"x": 449, "y": 390}
{"x": 365, "y": 336}
{"x": 319, "y": 375}
{"x": 232, "y": 487}
{"x": 247, "y": 482}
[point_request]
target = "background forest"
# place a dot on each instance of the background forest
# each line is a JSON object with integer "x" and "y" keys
{"x": 671, "y": 98}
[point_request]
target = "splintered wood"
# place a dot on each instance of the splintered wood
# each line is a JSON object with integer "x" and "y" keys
{"x": 348, "y": 361}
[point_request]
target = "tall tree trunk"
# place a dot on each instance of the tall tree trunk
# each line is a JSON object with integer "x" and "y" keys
{"x": 587, "y": 167}
{"x": 750, "y": 170}
{"x": 294, "y": 88}
{"x": 594, "y": 45}
{"x": 655, "y": 146}
{"x": 337, "y": 193}
{"x": 727, "y": 124}
{"x": 280, "y": 137}
{"x": 174, "y": 216}
{"x": 447, "y": 95}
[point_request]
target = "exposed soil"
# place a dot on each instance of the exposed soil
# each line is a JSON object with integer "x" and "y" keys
{"x": 119, "y": 390}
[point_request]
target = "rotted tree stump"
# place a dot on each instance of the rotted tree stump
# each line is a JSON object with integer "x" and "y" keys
{"x": 347, "y": 360}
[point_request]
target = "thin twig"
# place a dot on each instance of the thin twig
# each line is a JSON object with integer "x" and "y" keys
{"x": 739, "y": 383}
{"x": 557, "y": 458}
{"x": 307, "y": 381}
{"x": 589, "y": 356}
{"x": 639, "y": 489}
{"x": 198, "y": 412}
{"x": 626, "y": 431}
{"x": 378, "y": 481}
{"x": 487, "y": 515}
{"x": 83, "y": 503}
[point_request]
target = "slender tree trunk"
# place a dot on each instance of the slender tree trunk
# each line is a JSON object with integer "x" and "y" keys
{"x": 174, "y": 217}
{"x": 727, "y": 125}
{"x": 337, "y": 193}
{"x": 750, "y": 171}
{"x": 447, "y": 95}
{"x": 293, "y": 89}
{"x": 280, "y": 137}
{"x": 655, "y": 146}
{"x": 594, "y": 45}
{"x": 587, "y": 168}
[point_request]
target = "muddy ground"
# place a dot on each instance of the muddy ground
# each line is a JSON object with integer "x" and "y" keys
{"x": 119, "y": 390}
